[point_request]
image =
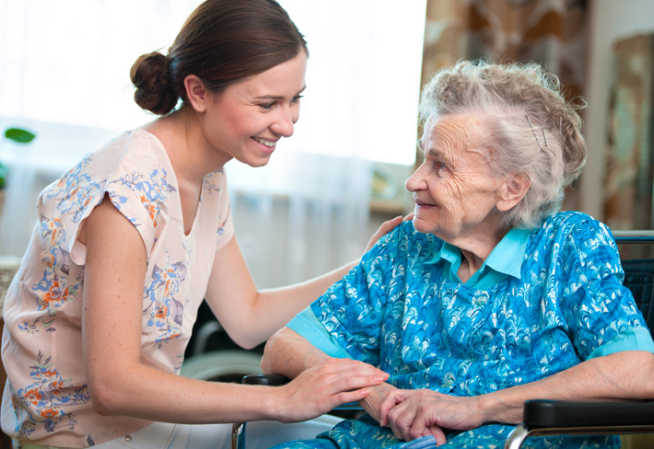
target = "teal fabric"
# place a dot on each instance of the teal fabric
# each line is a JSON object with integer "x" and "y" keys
{"x": 306, "y": 324}
{"x": 399, "y": 311}
{"x": 505, "y": 260}
{"x": 637, "y": 338}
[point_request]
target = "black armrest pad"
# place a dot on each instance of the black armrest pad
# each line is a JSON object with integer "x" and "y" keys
{"x": 271, "y": 380}
{"x": 543, "y": 413}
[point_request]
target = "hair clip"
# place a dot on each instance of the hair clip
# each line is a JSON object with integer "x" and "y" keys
{"x": 535, "y": 136}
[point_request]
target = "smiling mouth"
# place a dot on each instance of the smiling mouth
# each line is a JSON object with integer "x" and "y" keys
{"x": 268, "y": 143}
{"x": 423, "y": 204}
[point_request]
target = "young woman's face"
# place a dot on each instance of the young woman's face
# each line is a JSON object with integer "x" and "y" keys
{"x": 247, "y": 119}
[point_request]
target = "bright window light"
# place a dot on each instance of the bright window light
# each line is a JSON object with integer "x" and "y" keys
{"x": 68, "y": 62}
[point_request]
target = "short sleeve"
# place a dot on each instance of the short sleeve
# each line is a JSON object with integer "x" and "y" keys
{"x": 634, "y": 339}
{"x": 308, "y": 326}
{"x": 142, "y": 198}
{"x": 601, "y": 313}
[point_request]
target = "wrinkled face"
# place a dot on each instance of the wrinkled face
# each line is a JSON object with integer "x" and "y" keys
{"x": 247, "y": 119}
{"x": 455, "y": 192}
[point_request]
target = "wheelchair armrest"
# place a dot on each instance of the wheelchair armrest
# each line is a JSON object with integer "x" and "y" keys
{"x": 271, "y": 380}
{"x": 540, "y": 413}
{"x": 544, "y": 417}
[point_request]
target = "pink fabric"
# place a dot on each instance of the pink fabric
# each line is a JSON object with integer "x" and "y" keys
{"x": 46, "y": 399}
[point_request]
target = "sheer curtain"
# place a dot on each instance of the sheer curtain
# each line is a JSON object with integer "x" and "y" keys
{"x": 64, "y": 67}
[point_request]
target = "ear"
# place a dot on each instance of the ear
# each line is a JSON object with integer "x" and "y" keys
{"x": 515, "y": 188}
{"x": 197, "y": 94}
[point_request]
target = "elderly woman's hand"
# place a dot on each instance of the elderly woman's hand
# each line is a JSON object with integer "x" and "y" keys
{"x": 377, "y": 396}
{"x": 413, "y": 414}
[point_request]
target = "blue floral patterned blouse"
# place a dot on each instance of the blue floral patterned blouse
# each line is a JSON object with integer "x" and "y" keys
{"x": 398, "y": 311}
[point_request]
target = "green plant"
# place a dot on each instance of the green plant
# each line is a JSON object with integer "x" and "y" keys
{"x": 17, "y": 135}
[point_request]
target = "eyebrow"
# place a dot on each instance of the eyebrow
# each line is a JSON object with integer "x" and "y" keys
{"x": 438, "y": 154}
{"x": 277, "y": 97}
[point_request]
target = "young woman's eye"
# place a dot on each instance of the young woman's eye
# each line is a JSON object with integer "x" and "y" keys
{"x": 267, "y": 106}
{"x": 296, "y": 99}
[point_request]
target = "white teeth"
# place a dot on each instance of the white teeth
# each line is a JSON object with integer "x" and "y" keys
{"x": 265, "y": 142}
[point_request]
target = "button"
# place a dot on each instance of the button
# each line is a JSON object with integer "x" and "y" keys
{"x": 128, "y": 438}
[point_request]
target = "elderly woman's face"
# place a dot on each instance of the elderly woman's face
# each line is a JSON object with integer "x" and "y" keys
{"x": 454, "y": 189}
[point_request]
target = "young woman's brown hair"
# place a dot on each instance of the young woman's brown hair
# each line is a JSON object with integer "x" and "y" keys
{"x": 222, "y": 42}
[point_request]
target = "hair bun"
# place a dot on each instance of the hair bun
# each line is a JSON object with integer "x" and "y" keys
{"x": 150, "y": 75}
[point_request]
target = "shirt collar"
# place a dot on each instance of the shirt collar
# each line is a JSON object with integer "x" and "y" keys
{"x": 506, "y": 257}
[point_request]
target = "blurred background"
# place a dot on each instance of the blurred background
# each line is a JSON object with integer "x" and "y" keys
{"x": 64, "y": 76}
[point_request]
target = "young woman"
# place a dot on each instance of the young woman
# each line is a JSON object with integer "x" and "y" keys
{"x": 131, "y": 240}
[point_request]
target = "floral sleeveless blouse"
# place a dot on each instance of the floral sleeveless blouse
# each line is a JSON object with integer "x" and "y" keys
{"x": 46, "y": 398}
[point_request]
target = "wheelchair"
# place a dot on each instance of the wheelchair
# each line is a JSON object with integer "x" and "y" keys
{"x": 629, "y": 419}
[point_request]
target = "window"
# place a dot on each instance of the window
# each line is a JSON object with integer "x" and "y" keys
{"x": 68, "y": 62}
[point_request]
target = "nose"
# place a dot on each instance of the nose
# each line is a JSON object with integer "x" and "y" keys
{"x": 285, "y": 121}
{"x": 416, "y": 181}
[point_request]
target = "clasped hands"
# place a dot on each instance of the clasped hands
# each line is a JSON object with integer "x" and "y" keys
{"x": 412, "y": 414}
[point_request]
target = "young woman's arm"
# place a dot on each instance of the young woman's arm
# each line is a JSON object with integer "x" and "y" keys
{"x": 251, "y": 316}
{"x": 120, "y": 384}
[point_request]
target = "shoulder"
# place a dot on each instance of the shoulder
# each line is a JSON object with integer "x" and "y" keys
{"x": 577, "y": 236}
{"x": 572, "y": 226}
{"x": 405, "y": 238}
{"x": 401, "y": 247}
{"x": 141, "y": 169}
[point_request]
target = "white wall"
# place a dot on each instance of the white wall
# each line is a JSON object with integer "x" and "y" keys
{"x": 611, "y": 20}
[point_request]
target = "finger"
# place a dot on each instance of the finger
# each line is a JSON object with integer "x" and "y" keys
{"x": 384, "y": 229}
{"x": 351, "y": 368}
{"x": 408, "y": 217}
{"x": 390, "y": 224}
{"x": 438, "y": 433}
{"x": 393, "y": 221}
{"x": 397, "y": 431}
{"x": 346, "y": 382}
{"x": 419, "y": 425}
{"x": 362, "y": 370}
{"x": 401, "y": 418}
{"x": 390, "y": 401}
{"x": 350, "y": 396}
{"x": 402, "y": 412}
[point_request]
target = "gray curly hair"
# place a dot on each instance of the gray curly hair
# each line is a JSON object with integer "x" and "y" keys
{"x": 534, "y": 130}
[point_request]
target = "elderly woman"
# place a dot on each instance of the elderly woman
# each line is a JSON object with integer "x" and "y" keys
{"x": 491, "y": 296}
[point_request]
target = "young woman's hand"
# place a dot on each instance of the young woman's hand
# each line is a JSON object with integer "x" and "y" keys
{"x": 325, "y": 386}
{"x": 385, "y": 228}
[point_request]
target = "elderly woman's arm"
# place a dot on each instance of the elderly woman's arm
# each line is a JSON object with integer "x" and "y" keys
{"x": 622, "y": 375}
{"x": 288, "y": 353}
